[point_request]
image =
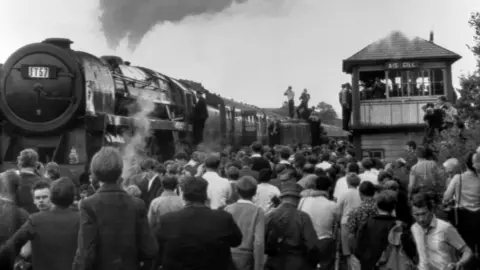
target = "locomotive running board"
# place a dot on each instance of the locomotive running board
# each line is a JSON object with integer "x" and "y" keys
{"x": 155, "y": 124}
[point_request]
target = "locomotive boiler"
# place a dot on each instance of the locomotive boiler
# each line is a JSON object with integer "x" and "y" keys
{"x": 63, "y": 102}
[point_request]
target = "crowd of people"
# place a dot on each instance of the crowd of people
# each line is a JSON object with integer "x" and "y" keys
{"x": 284, "y": 207}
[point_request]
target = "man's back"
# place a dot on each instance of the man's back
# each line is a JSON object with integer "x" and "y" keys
{"x": 114, "y": 232}
{"x": 55, "y": 239}
{"x": 204, "y": 245}
{"x": 24, "y": 191}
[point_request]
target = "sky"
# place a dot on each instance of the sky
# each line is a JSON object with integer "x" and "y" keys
{"x": 254, "y": 50}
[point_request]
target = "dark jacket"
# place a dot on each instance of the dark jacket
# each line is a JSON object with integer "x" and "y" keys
{"x": 290, "y": 239}
{"x": 12, "y": 218}
{"x": 24, "y": 191}
{"x": 249, "y": 172}
{"x": 114, "y": 231}
{"x": 54, "y": 237}
{"x": 372, "y": 240}
{"x": 197, "y": 237}
{"x": 260, "y": 163}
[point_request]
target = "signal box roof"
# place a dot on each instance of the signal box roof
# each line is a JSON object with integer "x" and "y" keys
{"x": 397, "y": 46}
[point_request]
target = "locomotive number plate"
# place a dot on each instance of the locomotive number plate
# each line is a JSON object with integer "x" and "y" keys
{"x": 39, "y": 72}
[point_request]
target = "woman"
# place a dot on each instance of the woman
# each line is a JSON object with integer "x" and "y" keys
{"x": 465, "y": 189}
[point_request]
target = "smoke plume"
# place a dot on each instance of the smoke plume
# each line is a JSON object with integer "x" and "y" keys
{"x": 134, "y": 150}
{"x": 134, "y": 19}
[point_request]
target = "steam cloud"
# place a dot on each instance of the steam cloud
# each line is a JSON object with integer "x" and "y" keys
{"x": 133, "y": 152}
{"x": 134, "y": 19}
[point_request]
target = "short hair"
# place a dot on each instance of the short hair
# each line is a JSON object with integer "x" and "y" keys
{"x": 246, "y": 187}
{"x": 233, "y": 173}
{"x": 62, "y": 192}
{"x": 384, "y": 175}
{"x": 325, "y": 157}
{"x": 52, "y": 170}
{"x": 391, "y": 185}
{"x": 107, "y": 165}
{"x": 264, "y": 175}
{"x": 443, "y": 98}
{"x": 9, "y": 183}
{"x": 312, "y": 159}
{"x": 386, "y": 200}
{"x": 134, "y": 191}
{"x": 160, "y": 169}
{"x": 148, "y": 164}
{"x": 353, "y": 179}
{"x": 452, "y": 163}
{"x": 421, "y": 200}
{"x": 411, "y": 144}
{"x": 309, "y": 168}
{"x": 257, "y": 147}
{"x": 285, "y": 153}
{"x": 181, "y": 155}
{"x": 368, "y": 163}
{"x": 353, "y": 167}
{"x": 246, "y": 161}
{"x": 170, "y": 182}
{"x": 323, "y": 183}
{"x": 42, "y": 184}
{"x": 212, "y": 162}
{"x": 367, "y": 188}
{"x": 421, "y": 152}
{"x": 27, "y": 158}
{"x": 194, "y": 189}
{"x": 319, "y": 171}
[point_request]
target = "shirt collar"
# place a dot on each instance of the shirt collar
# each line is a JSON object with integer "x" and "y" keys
{"x": 283, "y": 161}
{"x": 256, "y": 155}
{"x": 433, "y": 223}
{"x": 168, "y": 193}
{"x": 244, "y": 201}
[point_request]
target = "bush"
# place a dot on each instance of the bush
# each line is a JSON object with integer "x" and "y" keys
{"x": 456, "y": 143}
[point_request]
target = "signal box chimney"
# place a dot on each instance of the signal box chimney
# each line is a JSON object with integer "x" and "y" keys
{"x": 431, "y": 36}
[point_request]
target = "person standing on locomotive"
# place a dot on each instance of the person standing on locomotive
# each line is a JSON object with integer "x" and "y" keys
{"x": 291, "y": 103}
{"x": 346, "y": 103}
{"x": 315, "y": 124}
{"x": 302, "y": 110}
{"x": 200, "y": 115}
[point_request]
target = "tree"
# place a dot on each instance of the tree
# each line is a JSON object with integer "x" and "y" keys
{"x": 327, "y": 114}
{"x": 457, "y": 142}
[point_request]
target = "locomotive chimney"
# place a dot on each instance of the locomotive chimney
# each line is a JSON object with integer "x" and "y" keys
{"x": 431, "y": 36}
{"x": 59, "y": 42}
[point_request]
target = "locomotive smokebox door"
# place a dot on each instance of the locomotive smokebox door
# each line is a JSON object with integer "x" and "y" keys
{"x": 41, "y": 88}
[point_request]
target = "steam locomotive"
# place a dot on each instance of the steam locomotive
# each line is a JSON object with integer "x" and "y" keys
{"x": 67, "y": 104}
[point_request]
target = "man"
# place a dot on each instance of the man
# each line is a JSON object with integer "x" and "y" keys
{"x": 52, "y": 171}
{"x": 324, "y": 215}
{"x": 341, "y": 186}
{"x": 196, "y": 237}
{"x": 450, "y": 112}
{"x": 291, "y": 103}
{"x": 247, "y": 168}
{"x": 302, "y": 110}
{"x": 41, "y": 195}
{"x": 290, "y": 236}
{"x": 27, "y": 162}
{"x": 371, "y": 173}
{"x": 324, "y": 161}
{"x": 114, "y": 231}
{"x": 168, "y": 201}
{"x": 411, "y": 157}
{"x": 345, "y": 98}
{"x": 199, "y": 116}
{"x": 361, "y": 214}
{"x": 425, "y": 174}
{"x": 259, "y": 162}
{"x": 53, "y": 234}
{"x": 219, "y": 189}
{"x": 437, "y": 240}
{"x": 251, "y": 221}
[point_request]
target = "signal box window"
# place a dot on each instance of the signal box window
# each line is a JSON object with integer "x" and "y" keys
{"x": 378, "y": 85}
{"x": 373, "y": 153}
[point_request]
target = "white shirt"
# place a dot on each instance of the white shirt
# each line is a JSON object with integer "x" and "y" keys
{"x": 370, "y": 176}
{"x": 218, "y": 191}
{"x": 341, "y": 187}
{"x": 290, "y": 94}
{"x": 325, "y": 165}
{"x": 265, "y": 193}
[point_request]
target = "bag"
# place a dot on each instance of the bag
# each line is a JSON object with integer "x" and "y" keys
{"x": 394, "y": 257}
